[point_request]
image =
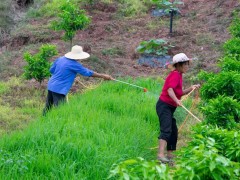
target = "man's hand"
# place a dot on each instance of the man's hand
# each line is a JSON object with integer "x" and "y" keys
{"x": 107, "y": 77}
{"x": 104, "y": 76}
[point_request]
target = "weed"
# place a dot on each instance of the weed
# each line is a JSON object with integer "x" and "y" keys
{"x": 113, "y": 52}
{"x": 82, "y": 139}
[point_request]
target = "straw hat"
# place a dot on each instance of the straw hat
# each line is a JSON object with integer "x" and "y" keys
{"x": 77, "y": 53}
{"x": 181, "y": 57}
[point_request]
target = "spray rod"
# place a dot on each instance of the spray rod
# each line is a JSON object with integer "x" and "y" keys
{"x": 144, "y": 89}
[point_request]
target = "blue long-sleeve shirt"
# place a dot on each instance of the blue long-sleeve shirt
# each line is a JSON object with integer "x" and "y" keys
{"x": 63, "y": 72}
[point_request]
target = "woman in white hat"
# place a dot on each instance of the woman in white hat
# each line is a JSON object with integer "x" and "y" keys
{"x": 169, "y": 100}
{"x": 64, "y": 71}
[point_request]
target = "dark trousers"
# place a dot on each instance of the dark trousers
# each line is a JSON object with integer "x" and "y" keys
{"x": 168, "y": 126}
{"x": 53, "y": 99}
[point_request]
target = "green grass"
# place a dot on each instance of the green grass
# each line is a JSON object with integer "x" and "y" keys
{"x": 85, "y": 137}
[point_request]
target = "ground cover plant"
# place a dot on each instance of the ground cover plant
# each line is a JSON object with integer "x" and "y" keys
{"x": 84, "y": 138}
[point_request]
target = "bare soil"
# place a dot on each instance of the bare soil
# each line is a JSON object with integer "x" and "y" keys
{"x": 199, "y": 31}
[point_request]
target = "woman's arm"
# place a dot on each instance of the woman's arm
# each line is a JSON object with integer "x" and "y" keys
{"x": 174, "y": 97}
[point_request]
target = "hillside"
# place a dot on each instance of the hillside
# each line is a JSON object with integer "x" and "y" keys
{"x": 199, "y": 32}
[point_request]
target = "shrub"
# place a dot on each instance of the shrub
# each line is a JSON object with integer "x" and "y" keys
{"x": 204, "y": 162}
{"x": 231, "y": 47}
{"x": 204, "y": 76}
{"x": 71, "y": 19}
{"x": 222, "y": 111}
{"x": 156, "y": 47}
{"x": 226, "y": 141}
{"x": 38, "y": 65}
{"x": 139, "y": 169}
{"x": 224, "y": 83}
{"x": 229, "y": 63}
{"x": 235, "y": 26}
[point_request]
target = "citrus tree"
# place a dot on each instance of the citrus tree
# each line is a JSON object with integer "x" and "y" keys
{"x": 38, "y": 64}
{"x": 70, "y": 19}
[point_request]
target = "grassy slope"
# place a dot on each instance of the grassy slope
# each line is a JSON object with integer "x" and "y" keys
{"x": 82, "y": 139}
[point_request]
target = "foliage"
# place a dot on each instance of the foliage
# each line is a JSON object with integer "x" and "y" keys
{"x": 139, "y": 169}
{"x": 231, "y": 47}
{"x": 114, "y": 51}
{"x": 6, "y": 16}
{"x": 157, "y": 47}
{"x": 222, "y": 111}
{"x": 227, "y": 142}
{"x": 82, "y": 139}
{"x": 224, "y": 83}
{"x": 235, "y": 26}
{"x": 38, "y": 65}
{"x": 205, "y": 76}
{"x": 128, "y": 8}
{"x": 229, "y": 63}
{"x": 167, "y": 5}
{"x": 71, "y": 19}
{"x": 203, "y": 162}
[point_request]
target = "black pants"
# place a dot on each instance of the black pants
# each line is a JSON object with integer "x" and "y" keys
{"x": 168, "y": 126}
{"x": 53, "y": 99}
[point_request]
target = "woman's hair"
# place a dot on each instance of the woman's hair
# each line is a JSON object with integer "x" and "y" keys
{"x": 180, "y": 64}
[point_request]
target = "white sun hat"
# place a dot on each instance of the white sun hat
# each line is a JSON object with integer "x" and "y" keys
{"x": 77, "y": 53}
{"x": 181, "y": 57}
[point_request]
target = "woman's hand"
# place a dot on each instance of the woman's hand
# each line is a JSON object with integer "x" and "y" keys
{"x": 195, "y": 86}
{"x": 178, "y": 102}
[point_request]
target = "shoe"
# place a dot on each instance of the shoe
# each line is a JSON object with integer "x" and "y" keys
{"x": 163, "y": 159}
{"x": 170, "y": 158}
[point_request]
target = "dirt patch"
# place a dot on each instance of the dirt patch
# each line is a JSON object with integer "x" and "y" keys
{"x": 199, "y": 31}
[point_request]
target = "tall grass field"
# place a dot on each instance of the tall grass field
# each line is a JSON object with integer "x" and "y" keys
{"x": 83, "y": 138}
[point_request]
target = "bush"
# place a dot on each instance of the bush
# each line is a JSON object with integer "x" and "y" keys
{"x": 235, "y": 27}
{"x": 204, "y": 76}
{"x": 71, "y": 19}
{"x": 224, "y": 83}
{"x": 226, "y": 141}
{"x": 204, "y": 162}
{"x": 139, "y": 169}
{"x": 38, "y": 64}
{"x": 231, "y": 47}
{"x": 228, "y": 63}
{"x": 222, "y": 111}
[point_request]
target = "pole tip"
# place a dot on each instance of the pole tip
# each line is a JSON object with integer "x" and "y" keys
{"x": 145, "y": 90}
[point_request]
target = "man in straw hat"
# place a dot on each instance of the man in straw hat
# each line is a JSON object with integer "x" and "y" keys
{"x": 167, "y": 103}
{"x": 64, "y": 71}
